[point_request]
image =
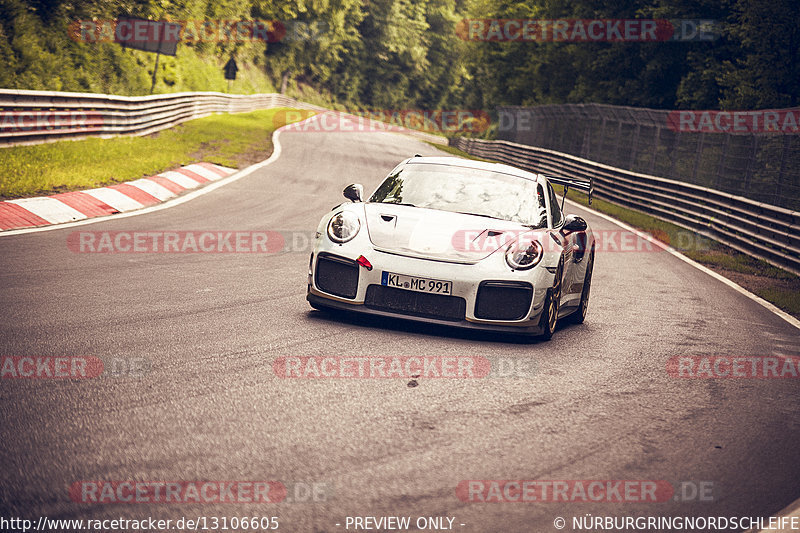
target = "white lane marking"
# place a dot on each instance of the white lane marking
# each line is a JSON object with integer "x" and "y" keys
{"x": 669, "y": 249}
{"x": 158, "y": 207}
{"x": 180, "y": 179}
{"x": 50, "y": 209}
{"x": 114, "y": 198}
{"x": 152, "y": 188}
{"x": 203, "y": 171}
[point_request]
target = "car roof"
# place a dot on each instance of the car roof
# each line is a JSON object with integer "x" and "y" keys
{"x": 471, "y": 163}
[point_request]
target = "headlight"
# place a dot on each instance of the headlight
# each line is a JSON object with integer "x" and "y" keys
{"x": 343, "y": 226}
{"x": 524, "y": 254}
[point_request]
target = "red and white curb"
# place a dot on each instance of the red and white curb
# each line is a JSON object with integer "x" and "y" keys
{"x": 120, "y": 198}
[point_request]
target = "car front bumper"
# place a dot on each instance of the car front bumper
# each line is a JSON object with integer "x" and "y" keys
{"x": 466, "y": 280}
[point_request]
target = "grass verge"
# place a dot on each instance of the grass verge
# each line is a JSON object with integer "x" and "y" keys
{"x": 230, "y": 140}
{"x": 775, "y": 285}
{"x": 456, "y": 152}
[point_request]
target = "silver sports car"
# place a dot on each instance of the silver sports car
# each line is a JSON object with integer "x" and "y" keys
{"x": 456, "y": 242}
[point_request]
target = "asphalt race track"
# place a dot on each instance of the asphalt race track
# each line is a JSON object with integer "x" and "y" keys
{"x": 599, "y": 405}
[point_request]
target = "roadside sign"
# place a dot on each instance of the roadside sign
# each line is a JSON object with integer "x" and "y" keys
{"x": 155, "y": 36}
{"x": 231, "y": 69}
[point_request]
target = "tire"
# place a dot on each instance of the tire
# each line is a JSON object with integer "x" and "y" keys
{"x": 552, "y": 301}
{"x": 580, "y": 314}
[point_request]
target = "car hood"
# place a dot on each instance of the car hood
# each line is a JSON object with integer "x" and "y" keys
{"x": 437, "y": 235}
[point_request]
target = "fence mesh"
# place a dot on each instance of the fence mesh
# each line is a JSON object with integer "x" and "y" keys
{"x": 764, "y": 167}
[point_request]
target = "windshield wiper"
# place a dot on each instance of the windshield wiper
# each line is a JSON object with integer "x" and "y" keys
{"x": 531, "y": 226}
{"x": 478, "y": 215}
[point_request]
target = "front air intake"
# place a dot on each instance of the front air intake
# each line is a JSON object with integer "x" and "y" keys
{"x": 337, "y": 275}
{"x": 503, "y": 300}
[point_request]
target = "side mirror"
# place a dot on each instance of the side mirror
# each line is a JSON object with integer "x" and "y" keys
{"x": 574, "y": 223}
{"x": 354, "y": 192}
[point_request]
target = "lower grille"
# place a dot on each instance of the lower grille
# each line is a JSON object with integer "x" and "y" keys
{"x": 414, "y": 303}
{"x": 337, "y": 275}
{"x": 503, "y": 300}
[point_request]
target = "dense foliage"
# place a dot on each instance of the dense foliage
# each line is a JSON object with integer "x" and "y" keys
{"x": 407, "y": 53}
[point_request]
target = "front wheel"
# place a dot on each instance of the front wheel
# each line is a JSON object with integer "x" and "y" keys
{"x": 580, "y": 314}
{"x": 551, "y": 305}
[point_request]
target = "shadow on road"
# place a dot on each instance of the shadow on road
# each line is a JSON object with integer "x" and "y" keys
{"x": 422, "y": 328}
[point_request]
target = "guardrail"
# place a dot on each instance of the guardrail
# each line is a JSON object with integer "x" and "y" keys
{"x": 33, "y": 117}
{"x": 760, "y": 230}
{"x": 734, "y": 152}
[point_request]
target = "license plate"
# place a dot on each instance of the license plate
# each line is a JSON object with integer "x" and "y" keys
{"x": 413, "y": 283}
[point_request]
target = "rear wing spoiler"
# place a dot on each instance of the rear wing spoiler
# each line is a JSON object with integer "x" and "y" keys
{"x": 574, "y": 183}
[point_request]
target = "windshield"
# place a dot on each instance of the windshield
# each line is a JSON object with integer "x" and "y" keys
{"x": 465, "y": 190}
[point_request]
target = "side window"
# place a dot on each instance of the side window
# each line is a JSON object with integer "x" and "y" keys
{"x": 558, "y": 216}
{"x": 542, "y": 223}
